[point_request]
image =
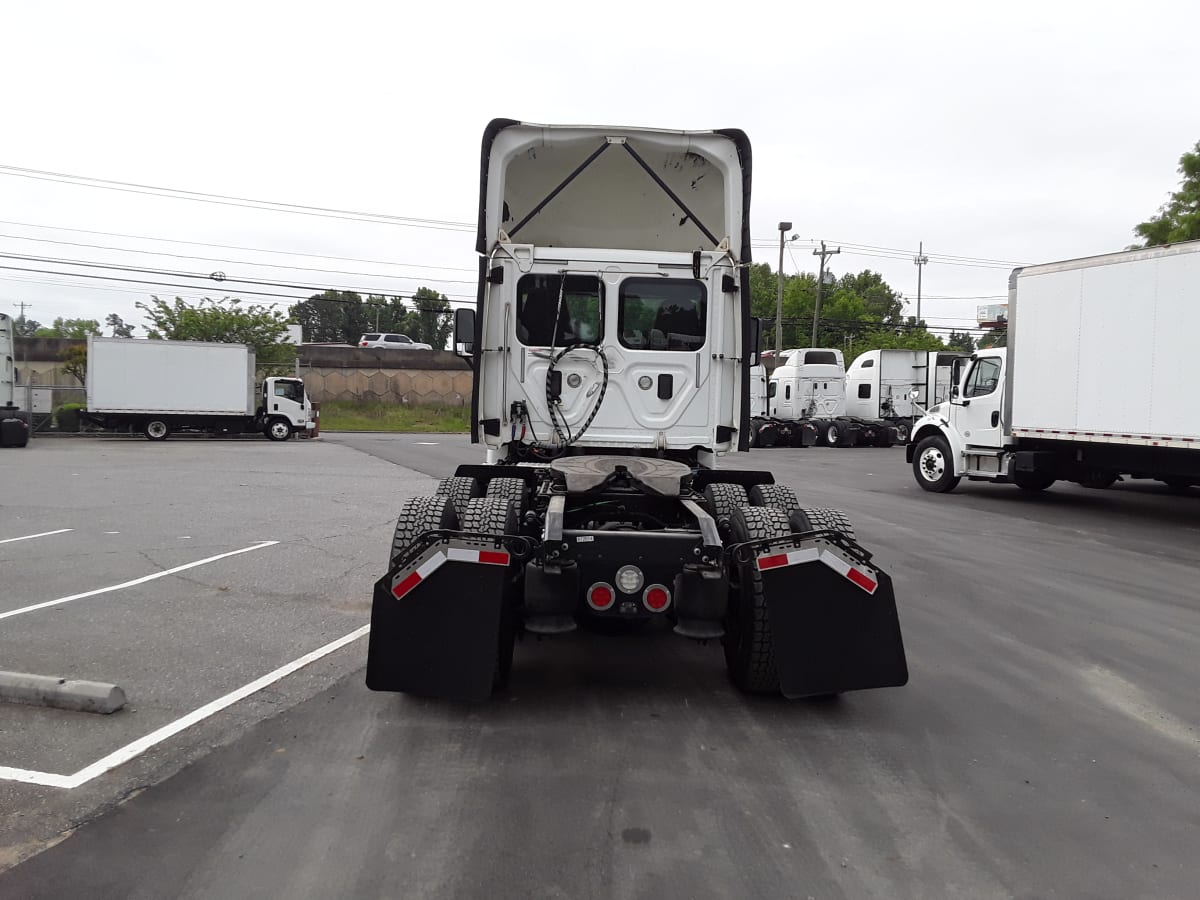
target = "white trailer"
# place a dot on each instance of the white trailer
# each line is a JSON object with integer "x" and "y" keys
{"x": 165, "y": 386}
{"x": 14, "y": 421}
{"x": 1095, "y": 384}
{"x": 896, "y": 386}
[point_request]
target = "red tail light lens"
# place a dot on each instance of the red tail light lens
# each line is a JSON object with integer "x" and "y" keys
{"x": 656, "y": 598}
{"x": 600, "y": 596}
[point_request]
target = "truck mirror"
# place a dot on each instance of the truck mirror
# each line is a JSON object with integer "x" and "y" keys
{"x": 755, "y": 340}
{"x": 464, "y": 332}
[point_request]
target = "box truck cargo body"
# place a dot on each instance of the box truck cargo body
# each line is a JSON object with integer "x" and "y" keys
{"x": 1094, "y": 385}
{"x": 165, "y": 386}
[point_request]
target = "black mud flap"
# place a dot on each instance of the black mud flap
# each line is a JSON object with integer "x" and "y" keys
{"x": 833, "y": 619}
{"x": 435, "y": 621}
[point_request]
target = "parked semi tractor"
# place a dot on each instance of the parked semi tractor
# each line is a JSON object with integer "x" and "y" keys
{"x": 807, "y": 400}
{"x": 14, "y": 421}
{"x": 1095, "y": 384}
{"x": 160, "y": 387}
{"x": 896, "y": 386}
{"x": 611, "y": 345}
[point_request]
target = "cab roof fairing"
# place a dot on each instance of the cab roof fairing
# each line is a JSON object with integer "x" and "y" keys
{"x": 622, "y": 204}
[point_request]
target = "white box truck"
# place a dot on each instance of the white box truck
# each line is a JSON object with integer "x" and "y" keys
{"x": 14, "y": 421}
{"x": 897, "y": 385}
{"x": 1095, "y": 384}
{"x": 160, "y": 387}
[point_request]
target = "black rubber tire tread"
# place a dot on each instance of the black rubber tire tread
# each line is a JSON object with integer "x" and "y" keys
{"x": 1032, "y": 483}
{"x": 948, "y": 481}
{"x": 723, "y": 498}
{"x": 418, "y": 515}
{"x": 835, "y": 429}
{"x": 777, "y": 495}
{"x": 824, "y": 518}
{"x": 460, "y": 489}
{"x": 489, "y": 515}
{"x": 749, "y": 643}
{"x": 507, "y": 489}
{"x": 443, "y": 487}
{"x": 1099, "y": 482}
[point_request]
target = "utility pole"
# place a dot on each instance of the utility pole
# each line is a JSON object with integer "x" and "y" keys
{"x": 783, "y": 227}
{"x": 23, "y": 306}
{"x": 920, "y": 260}
{"x": 820, "y": 284}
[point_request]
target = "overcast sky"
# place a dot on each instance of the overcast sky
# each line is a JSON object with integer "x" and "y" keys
{"x": 1014, "y": 132}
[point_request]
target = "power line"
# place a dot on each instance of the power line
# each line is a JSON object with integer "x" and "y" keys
{"x": 241, "y": 262}
{"x": 146, "y": 237}
{"x": 219, "y": 277}
{"x": 187, "y": 286}
{"x": 228, "y": 200}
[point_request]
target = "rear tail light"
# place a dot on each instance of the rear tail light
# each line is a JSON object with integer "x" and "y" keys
{"x": 601, "y": 596}
{"x": 364, "y": 343}
{"x": 656, "y": 598}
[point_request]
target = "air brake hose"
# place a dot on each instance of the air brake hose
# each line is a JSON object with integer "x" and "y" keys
{"x": 551, "y": 402}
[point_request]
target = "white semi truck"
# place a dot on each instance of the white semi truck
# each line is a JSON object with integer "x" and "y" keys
{"x": 807, "y": 402}
{"x": 160, "y": 387}
{"x": 896, "y": 386}
{"x": 1096, "y": 382}
{"x": 14, "y": 421}
{"x": 611, "y": 345}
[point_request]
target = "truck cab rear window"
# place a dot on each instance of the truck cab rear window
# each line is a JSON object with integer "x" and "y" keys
{"x": 662, "y": 314}
{"x": 543, "y": 321}
{"x": 822, "y": 358}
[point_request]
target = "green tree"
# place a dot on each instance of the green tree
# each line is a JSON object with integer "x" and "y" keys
{"x": 430, "y": 320}
{"x": 997, "y": 337}
{"x": 74, "y": 360}
{"x": 223, "y": 321}
{"x": 1179, "y": 218}
{"x": 333, "y": 317}
{"x": 71, "y": 328}
{"x": 961, "y": 340}
{"x": 26, "y": 328}
{"x": 118, "y": 326}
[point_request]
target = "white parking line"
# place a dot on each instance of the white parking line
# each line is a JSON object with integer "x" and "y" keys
{"x": 30, "y": 537}
{"x": 135, "y": 582}
{"x": 140, "y": 746}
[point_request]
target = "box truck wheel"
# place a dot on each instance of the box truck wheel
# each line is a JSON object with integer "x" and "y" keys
{"x": 933, "y": 465}
{"x": 749, "y": 645}
{"x": 156, "y": 430}
{"x": 1033, "y": 481}
{"x": 278, "y": 429}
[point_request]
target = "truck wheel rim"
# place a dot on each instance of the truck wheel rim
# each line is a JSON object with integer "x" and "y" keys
{"x": 157, "y": 429}
{"x": 279, "y": 429}
{"x": 902, "y": 432}
{"x": 832, "y": 434}
{"x": 933, "y": 464}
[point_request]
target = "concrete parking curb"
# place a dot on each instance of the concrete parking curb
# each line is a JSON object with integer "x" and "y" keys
{"x": 60, "y": 693}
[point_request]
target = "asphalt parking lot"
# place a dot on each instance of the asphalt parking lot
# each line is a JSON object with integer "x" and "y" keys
{"x": 1048, "y": 743}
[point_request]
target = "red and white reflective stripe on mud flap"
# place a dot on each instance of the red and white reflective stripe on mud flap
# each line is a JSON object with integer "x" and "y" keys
{"x": 451, "y": 554}
{"x": 795, "y": 557}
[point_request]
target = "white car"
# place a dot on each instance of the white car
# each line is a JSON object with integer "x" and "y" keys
{"x": 391, "y": 341}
